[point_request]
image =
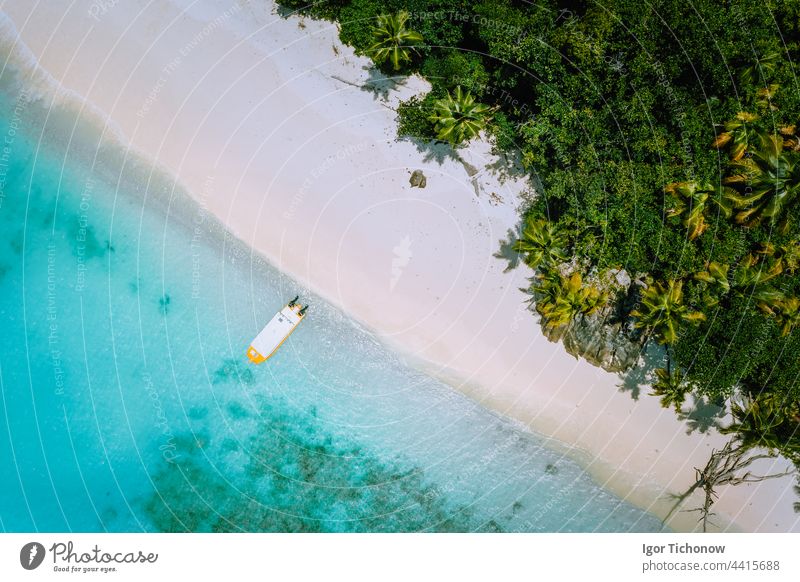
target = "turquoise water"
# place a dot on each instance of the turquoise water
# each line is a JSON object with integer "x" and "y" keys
{"x": 128, "y": 405}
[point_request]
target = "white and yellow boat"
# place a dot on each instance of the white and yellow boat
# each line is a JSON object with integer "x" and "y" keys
{"x": 276, "y": 331}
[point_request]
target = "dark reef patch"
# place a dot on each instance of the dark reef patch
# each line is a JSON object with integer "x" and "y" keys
{"x": 163, "y": 303}
{"x": 229, "y": 445}
{"x": 198, "y": 412}
{"x": 16, "y": 243}
{"x": 84, "y": 241}
{"x": 232, "y": 369}
{"x": 237, "y": 411}
{"x": 295, "y": 478}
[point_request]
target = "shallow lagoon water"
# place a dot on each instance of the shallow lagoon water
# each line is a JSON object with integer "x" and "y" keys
{"x": 128, "y": 403}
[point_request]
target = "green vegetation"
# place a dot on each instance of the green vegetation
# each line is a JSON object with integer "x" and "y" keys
{"x": 393, "y": 41}
{"x": 561, "y": 299}
{"x": 541, "y": 243}
{"x": 663, "y": 310}
{"x": 460, "y": 118}
{"x": 671, "y": 387}
{"x": 768, "y": 422}
{"x": 665, "y": 136}
{"x": 769, "y": 181}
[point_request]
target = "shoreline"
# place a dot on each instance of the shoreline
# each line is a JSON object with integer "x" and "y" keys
{"x": 343, "y": 230}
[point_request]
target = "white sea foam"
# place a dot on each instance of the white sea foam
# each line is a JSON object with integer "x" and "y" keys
{"x": 21, "y": 66}
{"x": 72, "y": 124}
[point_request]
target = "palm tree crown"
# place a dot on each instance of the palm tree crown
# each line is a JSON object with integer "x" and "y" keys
{"x": 786, "y": 312}
{"x": 542, "y": 243}
{"x": 670, "y": 387}
{"x": 691, "y": 201}
{"x": 763, "y": 67}
{"x": 752, "y": 280}
{"x": 772, "y": 180}
{"x": 716, "y": 279}
{"x": 459, "y": 118}
{"x": 393, "y": 41}
{"x": 561, "y": 299}
{"x": 770, "y": 421}
{"x": 740, "y": 134}
{"x": 662, "y": 310}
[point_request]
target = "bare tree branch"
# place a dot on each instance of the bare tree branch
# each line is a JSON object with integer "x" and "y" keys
{"x": 724, "y": 467}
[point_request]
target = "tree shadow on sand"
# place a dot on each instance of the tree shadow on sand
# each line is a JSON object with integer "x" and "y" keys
{"x": 508, "y": 165}
{"x": 380, "y": 85}
{"x": 435, "y": 151}
{"x": 704, "y": 415}
{"x": 506, "y": 251}
{"x": 640, "y": 376}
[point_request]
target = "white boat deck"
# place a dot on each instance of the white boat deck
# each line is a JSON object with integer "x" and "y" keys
{"x": 274, "y": 334}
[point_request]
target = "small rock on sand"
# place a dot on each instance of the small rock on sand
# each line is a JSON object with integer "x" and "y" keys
{"x": 418, "y": 179}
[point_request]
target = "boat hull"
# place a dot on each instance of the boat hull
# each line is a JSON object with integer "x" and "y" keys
{"x": 279, "y": 328}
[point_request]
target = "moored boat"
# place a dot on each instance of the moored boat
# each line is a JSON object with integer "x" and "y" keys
{"x": 280, "y": 327}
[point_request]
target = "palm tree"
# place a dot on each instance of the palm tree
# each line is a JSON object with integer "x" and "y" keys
{"x": 542, "y": 243}
{"x": 769, "y": 421}
{"x": 786, "y": 312}
{"x": 760, "y": 70}
{"x": 787, "y": 255}
{"x": 772, "y": 181}
{"x": 740, "y": 133}
{"x": 560, "y": 299}
{"x": 393, "y": 41}
{"x": 691, "y": 200}
{"x": 662, "y": 310}
{"x": 716, "y": 274}
{"x": 751, "y": 280}
{"x": 459, "y": 118}
{"x": 790, "y": 138}
{"x": 671, "y": 388}
{"x": 751, "y": 272}
{"x": 716, "y": 278}
{"x": 766, "y": 96}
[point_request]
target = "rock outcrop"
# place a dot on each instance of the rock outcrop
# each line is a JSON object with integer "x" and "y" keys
{"x": 607, "y": 338}
{"x": 611, "y": 346}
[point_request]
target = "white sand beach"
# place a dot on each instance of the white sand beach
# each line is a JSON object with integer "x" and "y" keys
{"x": 290, "y": 139}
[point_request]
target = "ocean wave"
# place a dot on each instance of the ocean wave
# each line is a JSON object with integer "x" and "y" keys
{"x": 72, "y": 125}
{"x": 20, "y": 68}
{"x": 48, "y": 97}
